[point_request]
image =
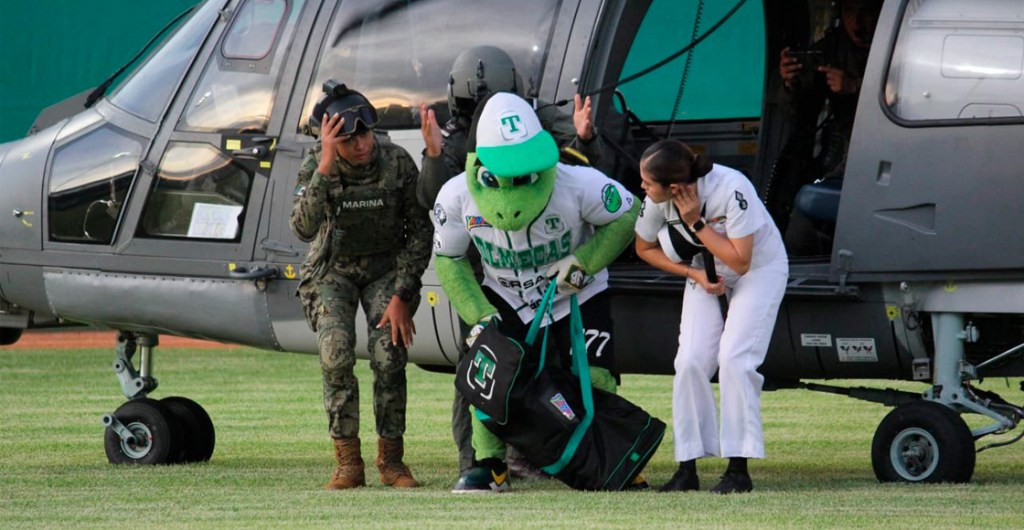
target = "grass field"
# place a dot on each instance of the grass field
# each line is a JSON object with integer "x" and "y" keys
{"x": 273, "y": 454}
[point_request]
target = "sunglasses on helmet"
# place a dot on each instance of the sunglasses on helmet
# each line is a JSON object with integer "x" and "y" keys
{"x": 359, "y": 114}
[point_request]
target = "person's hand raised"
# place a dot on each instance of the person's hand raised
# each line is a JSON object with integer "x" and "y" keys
{"x": 687, "y": 201}
{"x": 583, "y": 118}
{"x": 431, "y": 131}
{"x": 329, "y": 140}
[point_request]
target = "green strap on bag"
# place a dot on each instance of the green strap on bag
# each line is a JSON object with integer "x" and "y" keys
{"x": 581, "y": 369}
{"x": 543, "y": 312}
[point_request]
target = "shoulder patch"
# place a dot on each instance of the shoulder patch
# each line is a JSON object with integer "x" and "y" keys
{"x": 476, "y": 221}
{"x": 439, "y": 216}
{"x": 741, "y": 201}
{"x": 611, "y": 198}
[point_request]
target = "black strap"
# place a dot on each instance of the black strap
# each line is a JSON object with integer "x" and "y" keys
{"x": 686, "y": 250}
{"x": 709, "y": 259}
{"x": 674, "y": 235}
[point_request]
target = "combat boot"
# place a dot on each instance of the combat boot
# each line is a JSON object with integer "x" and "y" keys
{"x": 350, "y": 472}
{"x": 393, "y": 472}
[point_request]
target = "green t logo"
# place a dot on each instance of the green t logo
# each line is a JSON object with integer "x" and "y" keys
{"x": 510, "y": 122}
{"x": 484, "y": 374}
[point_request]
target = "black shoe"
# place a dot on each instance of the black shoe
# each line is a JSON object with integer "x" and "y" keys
{"x": 733, "y": 482}
{"x": 682, "y": 480}
{"x": 489, "y": 476}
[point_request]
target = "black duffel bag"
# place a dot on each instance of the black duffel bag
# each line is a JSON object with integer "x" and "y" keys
{"x": 587, "y": 438}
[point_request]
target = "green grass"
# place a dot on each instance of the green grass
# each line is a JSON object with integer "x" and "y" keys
{"x": 273, "y": 454}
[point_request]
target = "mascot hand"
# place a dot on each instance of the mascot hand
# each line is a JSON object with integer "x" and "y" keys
{"x": 569, "y": 275}
{"x": 476, "y": 330}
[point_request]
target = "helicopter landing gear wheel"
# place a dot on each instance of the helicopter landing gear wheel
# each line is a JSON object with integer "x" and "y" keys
{"x": 198, "y": 438}
{"x": 923, "y": 441}
{"x": 154, "y": 435}
{"x": 9, "y": 336}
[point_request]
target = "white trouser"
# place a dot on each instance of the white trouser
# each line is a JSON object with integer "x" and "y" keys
{"x": 736, "y": 349}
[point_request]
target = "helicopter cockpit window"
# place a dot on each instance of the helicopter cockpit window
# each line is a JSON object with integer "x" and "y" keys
{"x": 148, "y": 91}
{"x": 88, "y": 184}
{"x": 390, "y": 51}
{"x": 253, "y": 33}
{"x": 952, "y": 63}
{"x": 199, "y": 193}
{"x": 237, "y": 89}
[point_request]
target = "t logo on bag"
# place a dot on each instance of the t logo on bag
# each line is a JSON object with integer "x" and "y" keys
{"x": 482, "y": 374}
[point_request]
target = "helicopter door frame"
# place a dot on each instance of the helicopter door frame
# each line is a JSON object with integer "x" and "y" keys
{"x": 231, "y": 154}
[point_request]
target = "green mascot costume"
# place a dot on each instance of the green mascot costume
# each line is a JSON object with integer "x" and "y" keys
{"x": 533, "y": 220}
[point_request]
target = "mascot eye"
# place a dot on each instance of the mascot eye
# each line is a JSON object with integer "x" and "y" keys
{"x": 486, "y": 178}
{"x": 490, "y": 180}
{"x": 525, "y": 180}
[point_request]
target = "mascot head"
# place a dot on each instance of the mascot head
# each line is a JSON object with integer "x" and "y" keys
{"x": 511, "y": 163}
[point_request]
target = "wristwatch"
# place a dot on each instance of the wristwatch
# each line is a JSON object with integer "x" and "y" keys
{"x": 404, "y": 294}
{"x": 697, "y": 226}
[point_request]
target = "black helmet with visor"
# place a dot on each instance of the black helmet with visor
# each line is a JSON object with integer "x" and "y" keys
{"x": 351, "y": 105}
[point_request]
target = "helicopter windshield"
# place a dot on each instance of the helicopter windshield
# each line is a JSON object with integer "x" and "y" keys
{"x": 393, "y": 54}
{"x": 237, "y": 89}
{"x": 147, "y": 92}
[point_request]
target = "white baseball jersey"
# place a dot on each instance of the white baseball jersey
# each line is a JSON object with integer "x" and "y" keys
{"x": 732, "y": 208}
{"x": 515, "y": 263}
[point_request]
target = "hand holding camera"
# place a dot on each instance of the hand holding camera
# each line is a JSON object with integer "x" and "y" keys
{"x": 793, "y": 62}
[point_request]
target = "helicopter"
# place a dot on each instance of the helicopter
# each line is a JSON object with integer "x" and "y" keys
{"x": 158, "y": 205}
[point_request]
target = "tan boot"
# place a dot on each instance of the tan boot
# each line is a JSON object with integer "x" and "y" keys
{"x": 350, "y": 473}
{"x": 389, "y": 462}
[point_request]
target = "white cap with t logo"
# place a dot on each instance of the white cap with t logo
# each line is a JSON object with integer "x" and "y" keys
{"x": 510, "y": 140}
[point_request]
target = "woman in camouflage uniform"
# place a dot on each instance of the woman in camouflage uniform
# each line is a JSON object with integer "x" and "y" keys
{"x": 370, "y": 243}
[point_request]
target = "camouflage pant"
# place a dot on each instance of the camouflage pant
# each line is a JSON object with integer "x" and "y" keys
{"x": 370, "y": 283}
{"x": 462, "y": 428}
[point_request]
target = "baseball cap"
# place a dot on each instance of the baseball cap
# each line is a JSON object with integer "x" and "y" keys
{"x": 510, "y": 140}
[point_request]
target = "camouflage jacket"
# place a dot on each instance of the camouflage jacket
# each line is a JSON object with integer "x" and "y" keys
{"x": 362, "y": 211}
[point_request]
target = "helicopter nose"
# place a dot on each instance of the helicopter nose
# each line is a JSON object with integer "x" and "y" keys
{"x": 22, "y": 166}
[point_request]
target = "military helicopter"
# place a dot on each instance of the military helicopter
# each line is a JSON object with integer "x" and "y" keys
{"x": 160, "y": 206}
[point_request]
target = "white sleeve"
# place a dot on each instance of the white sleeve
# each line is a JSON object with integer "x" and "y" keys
{"x": 451, "y": 238}
{"x": 743, "y": 217}
{"x": 650, "y": 220}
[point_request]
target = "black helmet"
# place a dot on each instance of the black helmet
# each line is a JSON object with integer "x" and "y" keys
{"x": 477, "y": 72}
{"x": 350, "y": 104}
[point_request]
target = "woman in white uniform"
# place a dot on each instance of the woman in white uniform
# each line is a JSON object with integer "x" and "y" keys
{"x": 717, "y": 208}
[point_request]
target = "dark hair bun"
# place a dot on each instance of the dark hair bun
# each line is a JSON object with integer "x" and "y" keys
{"x": 701, "y": 166}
